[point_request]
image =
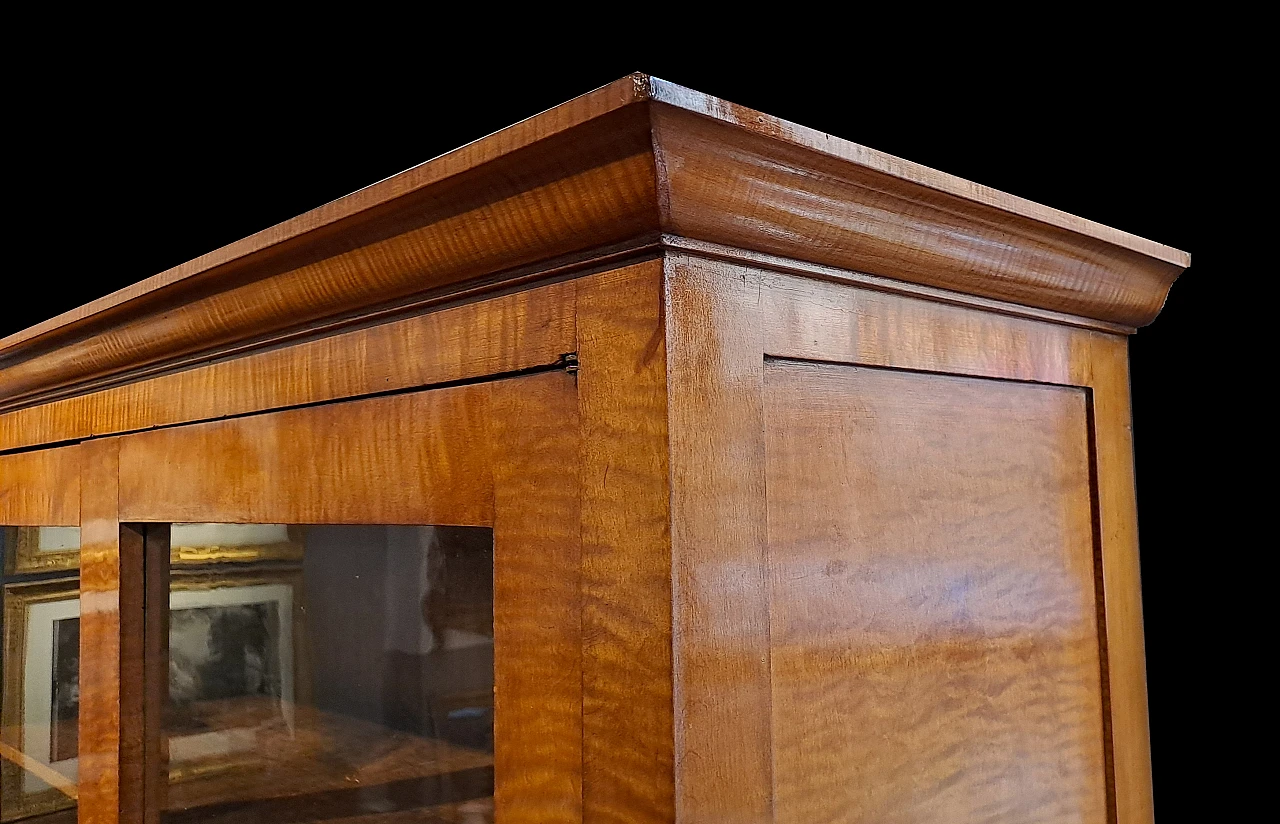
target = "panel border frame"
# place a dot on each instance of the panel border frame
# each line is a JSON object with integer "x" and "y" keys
{"x": 841, "y": 323}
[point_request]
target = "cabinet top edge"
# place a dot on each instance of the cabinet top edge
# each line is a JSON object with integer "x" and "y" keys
{"x": 673, "y": 94}
{"x": 635, "y": 88}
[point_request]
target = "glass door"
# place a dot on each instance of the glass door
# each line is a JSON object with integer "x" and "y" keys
{"x": 365, "y": 611}
{"x": 39, "y": 636}
{"x": 319, "y": 672}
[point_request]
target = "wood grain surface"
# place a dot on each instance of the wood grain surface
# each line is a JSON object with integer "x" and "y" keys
{"x": 419, "y": 458}
{"x": 601, "y": 175}
{"x": 41, "y": 488}
{"x": 498, "y": 453}
{"x": 537, "y": 600}
{"x": 568, "y": 184}
{"x": 881, "y": 163}
{"x": 833, "y": 521}
{"x": 628, "y": 768}
{"x": 309, "y": 769}
{"x": 503, "y": 334}
{"x": 720, "y": 581}
{"x": 832, "y": 322}
{"x": 111, "y": 672}
{"x": 1118, "y": 532}
{"x": 745, "y": 188}
{"x": 934, "y": 627}
{"x": 591, "y": 106}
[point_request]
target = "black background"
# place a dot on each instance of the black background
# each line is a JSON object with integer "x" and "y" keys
{"x": 130, "y": 173}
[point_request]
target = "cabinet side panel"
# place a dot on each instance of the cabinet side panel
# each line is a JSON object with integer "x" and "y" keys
{"x": 934, "y": 629}
{"x": 628, "y": 761}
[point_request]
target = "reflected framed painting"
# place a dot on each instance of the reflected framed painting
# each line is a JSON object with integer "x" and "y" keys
{"x": 39, "y": 709}
{"x": 57, "y": 548}
{"x": 200, "y": 544}
{"x": 30, "y": 549}
{"x": 237, "y": 657}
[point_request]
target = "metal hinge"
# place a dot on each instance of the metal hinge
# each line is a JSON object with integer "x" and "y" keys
{"x": 568, "y": 362}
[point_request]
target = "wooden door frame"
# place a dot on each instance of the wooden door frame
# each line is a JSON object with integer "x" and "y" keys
{"x": 597, "y": 456}
{"x": 40, "y": 488}
{"x": 500, "y": 454}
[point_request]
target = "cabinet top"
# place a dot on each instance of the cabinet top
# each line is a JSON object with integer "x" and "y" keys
{"x": 635, "y": 165}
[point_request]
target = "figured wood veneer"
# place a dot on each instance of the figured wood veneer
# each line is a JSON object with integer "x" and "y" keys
{"x": 809, "y": 468}
{"x": 628, "y": 749}
{"x": 935, "y": 639}
{"x": 612, "y": 171}
{"x": 40, "y": 488}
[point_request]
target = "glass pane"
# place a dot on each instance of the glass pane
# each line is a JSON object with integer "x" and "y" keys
{"x": 330, "y": 673}
{"x": 40, "y": 673}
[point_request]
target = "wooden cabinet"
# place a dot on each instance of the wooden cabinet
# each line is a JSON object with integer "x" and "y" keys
{"x": 651, "y": 460}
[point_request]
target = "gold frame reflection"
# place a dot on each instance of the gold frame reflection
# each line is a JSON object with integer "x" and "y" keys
{"x": 288, "y": 551}
{"x": 18, "y": 601}
{"x": 23, "y": 555}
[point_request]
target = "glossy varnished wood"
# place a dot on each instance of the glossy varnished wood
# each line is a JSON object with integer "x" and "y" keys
{"x": 537, "y": 600}
{"x": 832, "y": 322}
{"x": 111, "y": 653}
{"x": 579, "y": 189}
{"x": 832, "y": 520}
{"x": 494, "y": 147}
{"x": 719, "y": 575}
{"x": 628, "y": 764}
{"x": 610, "y": 171}
{"x": 754, "y": 182}
{"x": 420, "y": 458}
{"x": 810, "y": 320}
{"x": 503, "y": 334}
{"x": 40, "y": 488}
{"x": 889, "y": 168}
{"x": 497, "y": 453}
{"x": 935, "y": 640}
{"x": 1118, "y": 532}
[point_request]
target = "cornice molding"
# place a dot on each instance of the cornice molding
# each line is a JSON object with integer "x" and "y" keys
{"x": 610, "y": 170}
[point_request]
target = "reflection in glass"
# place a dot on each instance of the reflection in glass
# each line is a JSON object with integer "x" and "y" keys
{"x": 40, "y": 674}
{"x": 41, "y": 549}
{"x": 219, "y": 543}
{"x": 353, "y": 682}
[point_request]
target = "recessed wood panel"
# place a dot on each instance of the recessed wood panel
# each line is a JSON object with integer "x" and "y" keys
{"x": 935, "y": 649}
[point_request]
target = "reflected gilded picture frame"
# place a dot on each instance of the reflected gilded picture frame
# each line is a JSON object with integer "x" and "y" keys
{"x": 36, "y": 549}
{"x": 37, "y": 615}
{"x": 29, "y": 783}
